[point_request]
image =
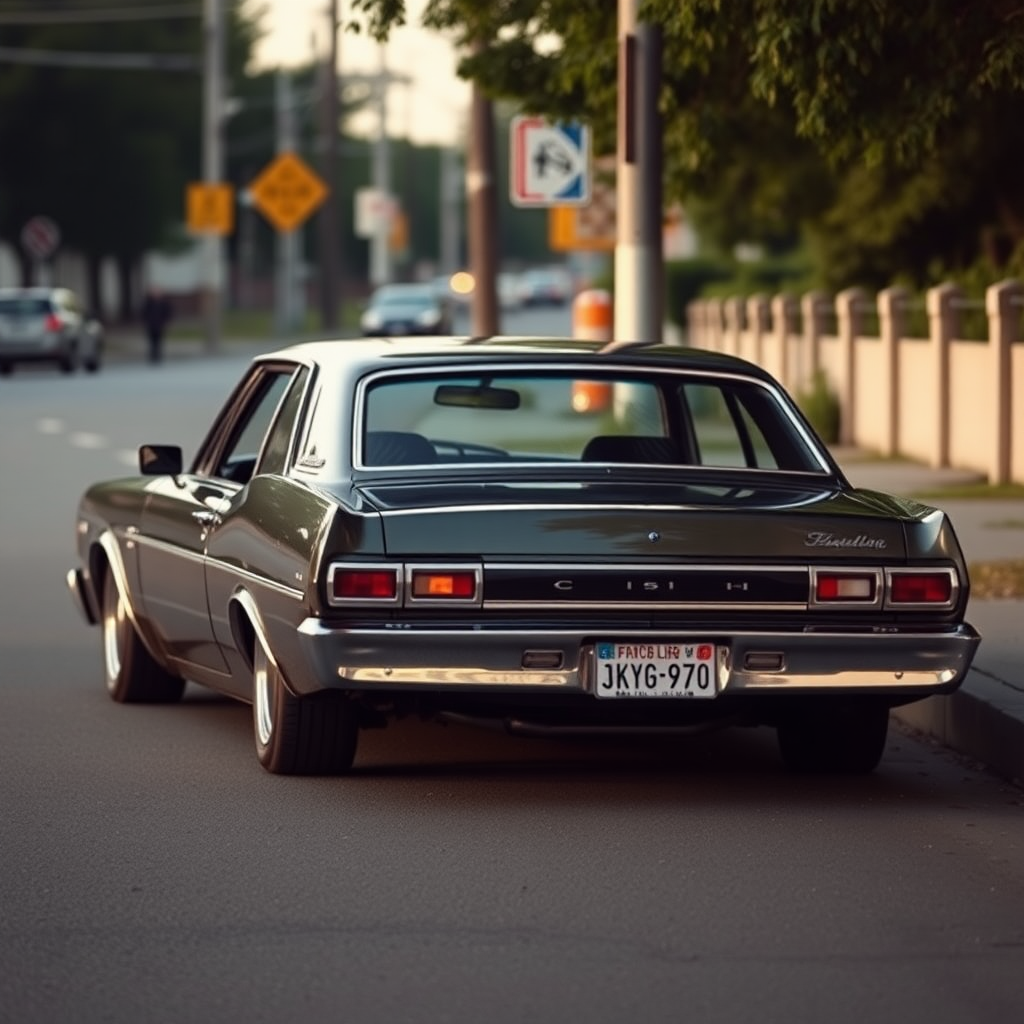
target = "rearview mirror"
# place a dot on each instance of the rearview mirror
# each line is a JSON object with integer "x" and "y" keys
{"x": 479, "y": 396}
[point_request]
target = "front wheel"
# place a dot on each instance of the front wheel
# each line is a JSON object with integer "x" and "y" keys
{"x": 836, "y": 738}
{"x": 133, "y": 675}
{"x": 313, "y": 735}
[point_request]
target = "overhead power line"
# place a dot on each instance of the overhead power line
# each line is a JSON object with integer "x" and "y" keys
{"x": 83, "y": 17}
{"x": 110, "y": 61}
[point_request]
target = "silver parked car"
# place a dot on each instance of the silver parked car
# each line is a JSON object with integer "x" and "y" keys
{"x": 41, "y": 324}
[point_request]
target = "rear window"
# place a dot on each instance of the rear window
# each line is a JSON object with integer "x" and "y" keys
{"x": 562, "y": 417}
{"x": 24, "y": 306}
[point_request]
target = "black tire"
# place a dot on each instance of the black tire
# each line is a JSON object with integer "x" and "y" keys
{"x": 132, "y": 674}
{"x": 5, "y": 369}
{"x": 314, "y": 735}
{"x": 830, "y": 738}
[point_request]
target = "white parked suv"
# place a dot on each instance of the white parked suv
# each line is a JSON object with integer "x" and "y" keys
{"x": 42, "y": 324}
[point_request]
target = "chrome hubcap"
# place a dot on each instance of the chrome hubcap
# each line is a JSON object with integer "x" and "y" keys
{"x": 263, "y": 695}
{"x": 113, "y": 632}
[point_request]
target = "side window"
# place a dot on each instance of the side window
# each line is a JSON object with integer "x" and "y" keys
{"x": 238, "y": 461}
{"x": 725, "y": 432}
{"x": 278, "y": 446}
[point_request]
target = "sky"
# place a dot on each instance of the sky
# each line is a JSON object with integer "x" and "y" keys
{"x": 431, "y": 109}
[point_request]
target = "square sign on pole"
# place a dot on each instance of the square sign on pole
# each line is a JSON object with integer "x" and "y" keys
{"x": 550, "y": 162}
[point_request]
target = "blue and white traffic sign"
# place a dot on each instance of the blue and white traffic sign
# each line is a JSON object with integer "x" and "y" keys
{"x": 550, "y": 162}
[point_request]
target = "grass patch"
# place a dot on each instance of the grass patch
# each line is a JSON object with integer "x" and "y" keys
{"x": 981, "y": 490}
{"x": 997, "y": 580}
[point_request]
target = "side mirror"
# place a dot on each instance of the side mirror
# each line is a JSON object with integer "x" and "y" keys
{"x": 160, "y": 460}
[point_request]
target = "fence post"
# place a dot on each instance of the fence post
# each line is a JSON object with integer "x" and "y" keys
{"x": 892, "y": 321}
{"x": 734, "y": 324}
{"x": 812, "y": 310}
{"x": 849, "y": 314}
{"x": 1001, "y": 302}
{"x": 784, "y": 318}
{"x": 942, "y": 325}
{"x": 758, "y": 318}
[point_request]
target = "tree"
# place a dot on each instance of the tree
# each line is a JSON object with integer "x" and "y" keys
{"x": 817, "y": 114}
{"x": 108, "y": 150}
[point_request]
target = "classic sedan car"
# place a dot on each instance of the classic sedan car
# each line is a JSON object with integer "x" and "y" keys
{"x": 385, "y": 527}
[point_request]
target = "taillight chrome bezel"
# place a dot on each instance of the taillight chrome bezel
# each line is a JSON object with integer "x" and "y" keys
{"x": 404, "y": 575}
{"x": 394, "y": 568}
{"x": 873, "y": 575}
{"x": 882, "y": 588}
{"x": 412, "y": 600}
{"x": 944, "y": 571}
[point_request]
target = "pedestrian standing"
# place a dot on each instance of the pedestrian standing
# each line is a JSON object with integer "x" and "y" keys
{"x": 156, "y": 315}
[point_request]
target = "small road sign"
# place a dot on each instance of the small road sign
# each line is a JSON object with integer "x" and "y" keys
{"x": 40, "y": 236}
{"x": 550, "y": 162}
{"x": 210, "y": 208}
{"x": 287, "y": 191}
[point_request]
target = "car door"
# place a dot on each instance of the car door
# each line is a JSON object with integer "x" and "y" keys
{"x": 181, "y": 513}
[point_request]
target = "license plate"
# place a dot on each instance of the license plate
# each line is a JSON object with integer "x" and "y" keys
{"x": 680, "y": 670}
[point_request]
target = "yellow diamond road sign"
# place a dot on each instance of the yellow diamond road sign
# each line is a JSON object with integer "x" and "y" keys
{"x": 287, "y": 192}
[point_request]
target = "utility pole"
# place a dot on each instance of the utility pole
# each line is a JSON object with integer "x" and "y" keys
{"x": 638, "y": 254}
{"x": 286, "y": 243}
{"x": 330, "y": 242}
{"x": 213, "y": 162}
{"x": 483, "y": 215}
{"x": 380, "y": 243}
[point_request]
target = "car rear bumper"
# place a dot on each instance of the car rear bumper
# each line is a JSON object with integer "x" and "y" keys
{"x": 903, "y": 666}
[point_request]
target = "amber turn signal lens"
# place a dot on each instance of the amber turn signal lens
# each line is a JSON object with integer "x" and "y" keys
{"x": 461, "y": 585}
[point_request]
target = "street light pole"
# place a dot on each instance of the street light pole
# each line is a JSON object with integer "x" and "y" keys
{"x": 213, "y": 162}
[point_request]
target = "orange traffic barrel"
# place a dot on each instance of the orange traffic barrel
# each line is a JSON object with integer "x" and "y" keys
{"x": 592, "y": 321}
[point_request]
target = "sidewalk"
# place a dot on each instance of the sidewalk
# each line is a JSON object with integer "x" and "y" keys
{"x": 985, "y": 717}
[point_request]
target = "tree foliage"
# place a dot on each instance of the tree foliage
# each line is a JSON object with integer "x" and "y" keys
{"x": 104, "y": 151}
{"x": 882, "y": 128}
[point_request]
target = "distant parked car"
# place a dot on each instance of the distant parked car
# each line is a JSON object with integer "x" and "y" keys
{"x": 545, "y": 286}
{"x": 398, "y": 309}
{"x": 41, "y": 324}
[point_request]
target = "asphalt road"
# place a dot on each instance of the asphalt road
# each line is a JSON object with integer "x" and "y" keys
{"x": 151, "y": 871}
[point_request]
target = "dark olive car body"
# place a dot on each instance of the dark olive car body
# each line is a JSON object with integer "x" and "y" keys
{"x": 445, "y": 527}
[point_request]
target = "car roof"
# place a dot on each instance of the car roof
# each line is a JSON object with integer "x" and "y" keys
{"x": 369, "y": 353}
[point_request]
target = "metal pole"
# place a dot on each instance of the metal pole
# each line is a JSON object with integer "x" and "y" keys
{"x": 286, "y": 242}
{"x": 213, "y": 162}
{"x": 330, "y": 258}
{"x": 483, "y": 215}
{"x": 638, "y": 243}
{"x": 380, "y": 252}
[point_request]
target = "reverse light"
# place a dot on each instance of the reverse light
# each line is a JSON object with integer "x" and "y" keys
{"x": 846, "y": 587}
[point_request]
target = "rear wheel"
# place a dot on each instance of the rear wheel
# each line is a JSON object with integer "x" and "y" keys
{"x": 313, "y": 735}
{"x": 132, "y": 674}
{"x": 834, "y": 738}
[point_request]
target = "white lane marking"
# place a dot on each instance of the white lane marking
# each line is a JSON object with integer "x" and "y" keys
{"x": 50, "y": 425}
{"x": 85, "y": 439}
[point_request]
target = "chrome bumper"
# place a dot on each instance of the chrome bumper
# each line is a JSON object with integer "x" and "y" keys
{"x": 493, "y": 660}
{"x": 75, "y": 580}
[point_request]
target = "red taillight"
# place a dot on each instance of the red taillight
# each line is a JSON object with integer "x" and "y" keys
{"x": 365, "y": 584}
{"x": 921, "y": 588}
{"x": 837, "y": 586}
{"x": 52, "y": 323}
{"x": 459, "y": 584}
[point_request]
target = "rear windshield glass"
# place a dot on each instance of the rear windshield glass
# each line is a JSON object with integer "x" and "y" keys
{"x": 558, "y": 417}
{"x": 24, "y": 307}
